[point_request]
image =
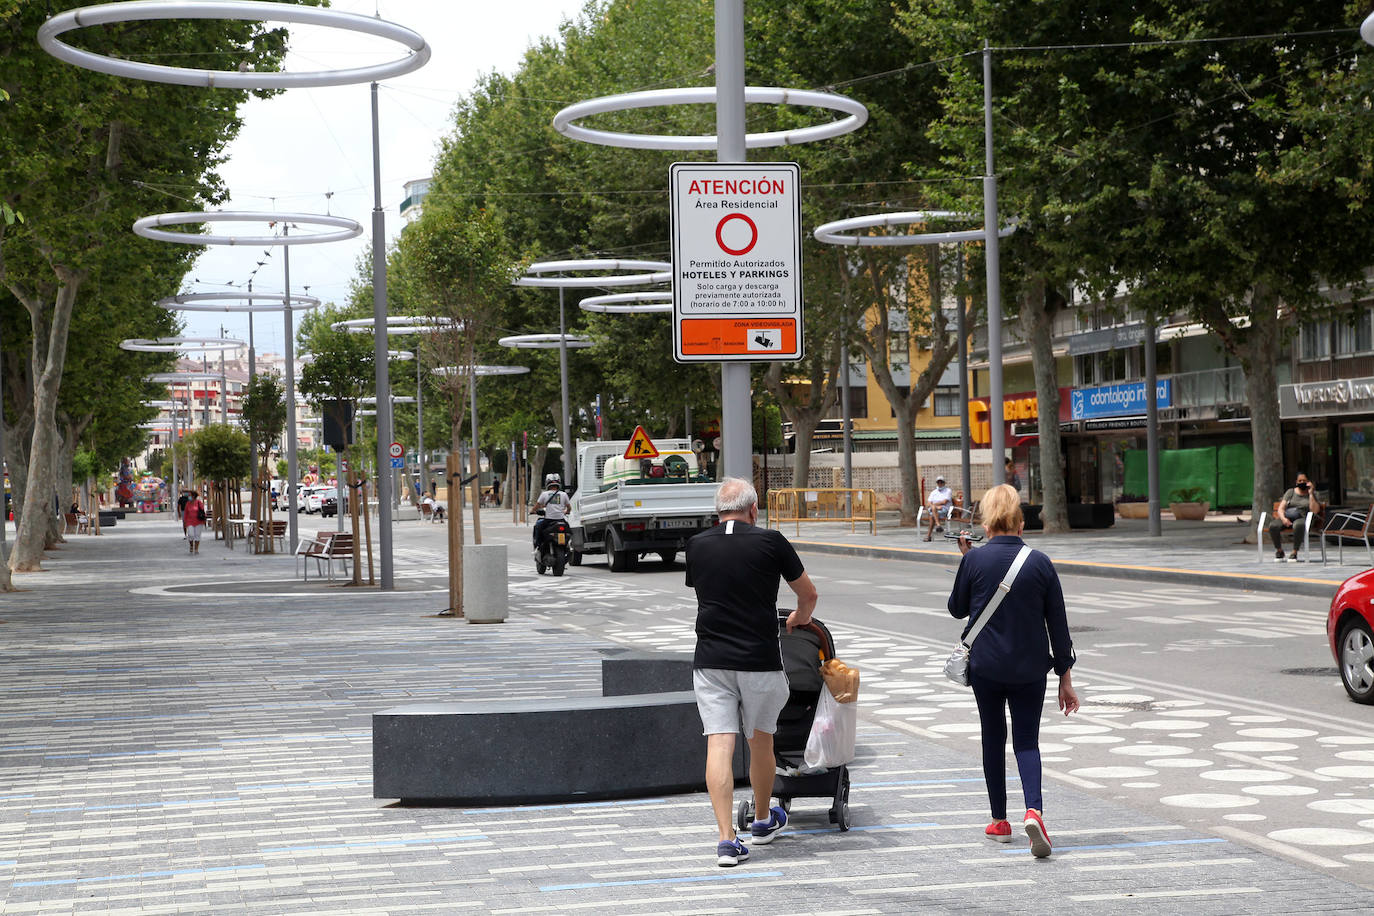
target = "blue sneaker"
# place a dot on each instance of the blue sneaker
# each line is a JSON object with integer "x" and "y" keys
{"x": 730, "y": 853}
{"x": 764, "y": 831}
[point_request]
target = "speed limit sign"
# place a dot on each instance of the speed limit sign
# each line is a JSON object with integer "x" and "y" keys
{"x": 396, "y": 450}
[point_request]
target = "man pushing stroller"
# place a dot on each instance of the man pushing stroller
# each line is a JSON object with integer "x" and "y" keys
{"x": 738, "y": 672}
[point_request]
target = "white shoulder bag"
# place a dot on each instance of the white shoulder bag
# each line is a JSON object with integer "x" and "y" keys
{"x": 956, "y": 666}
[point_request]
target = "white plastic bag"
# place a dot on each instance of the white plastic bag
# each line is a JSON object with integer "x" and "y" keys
{"x": 831, "y": 742}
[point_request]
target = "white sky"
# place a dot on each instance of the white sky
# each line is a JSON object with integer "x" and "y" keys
{"x": 302, "y": 144}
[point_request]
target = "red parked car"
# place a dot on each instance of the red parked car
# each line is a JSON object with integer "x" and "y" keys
{"x": 1350, "y": 630}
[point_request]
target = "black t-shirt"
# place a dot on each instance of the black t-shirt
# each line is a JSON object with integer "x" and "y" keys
{"x": 734, "y": 568}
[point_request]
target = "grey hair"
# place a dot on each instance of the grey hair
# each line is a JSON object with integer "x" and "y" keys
{"x": 735, "y": 495}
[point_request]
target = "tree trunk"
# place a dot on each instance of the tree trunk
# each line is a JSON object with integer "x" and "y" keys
{"x": 803, "y": 433}
{"x": 49, "y": 353}
{"x": 1038, "y": 310}
{"x": 6, "y": 581}
{"x": 1259, "y": 358}
{"x": 909, "y": 474}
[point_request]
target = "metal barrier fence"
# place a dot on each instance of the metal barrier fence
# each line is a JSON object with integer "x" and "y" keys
{"x": 823, "y": 505}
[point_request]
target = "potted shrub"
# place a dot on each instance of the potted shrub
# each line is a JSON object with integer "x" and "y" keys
{"x": 1187, "y": 503}
{"x": 1133, "y": 506}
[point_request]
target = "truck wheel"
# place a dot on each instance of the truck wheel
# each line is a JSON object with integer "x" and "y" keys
{"x": 667, "y": 556}
{"x": 575, "y": 559}
{"x": 619, "y": 560}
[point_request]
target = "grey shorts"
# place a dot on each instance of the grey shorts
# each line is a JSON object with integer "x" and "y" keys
{"x": 732, "y": 701}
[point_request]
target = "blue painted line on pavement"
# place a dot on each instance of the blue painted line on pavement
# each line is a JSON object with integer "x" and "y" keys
{"x": 1141, "y": 844}
{"x": 372, "y": 844}
{"x": 868, "y": 827}
{"x": 25, "y": 747}
{"x": 305, "y": 785}
{"x": 170, "y": 873}
{"x": 14, "y": 797}
{"x": 138, "y": 805}
{"x": 605, "y": 804}
{"x": 594, "y": 884}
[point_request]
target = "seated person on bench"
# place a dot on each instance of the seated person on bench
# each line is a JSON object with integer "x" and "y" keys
{"x": 1291, "y": 512}
{"x": 940, "y": 505}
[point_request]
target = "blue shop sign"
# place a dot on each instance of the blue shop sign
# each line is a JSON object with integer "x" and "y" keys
{"x": 1117, "y": 400}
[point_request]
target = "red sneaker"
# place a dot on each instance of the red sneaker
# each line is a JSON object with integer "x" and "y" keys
{"x": 1039, "y": 836}
{"x": 999, "y": 831}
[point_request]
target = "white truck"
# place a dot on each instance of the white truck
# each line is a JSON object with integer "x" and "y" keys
{"x": 628, "y": 507}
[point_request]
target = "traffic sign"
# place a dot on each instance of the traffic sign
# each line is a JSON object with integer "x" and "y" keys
{"x": 397, "y": 463}
{"x": 396, "y": 450}
{"x": 641, "y": 446}
{"x": 736, "y": 248}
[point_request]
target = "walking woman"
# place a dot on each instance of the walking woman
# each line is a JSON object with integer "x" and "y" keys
{"x": 193, "y": 521}
{"x": 1027, "y": 635}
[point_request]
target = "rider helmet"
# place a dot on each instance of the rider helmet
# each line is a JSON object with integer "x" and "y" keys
{"x": 552, "y": 478}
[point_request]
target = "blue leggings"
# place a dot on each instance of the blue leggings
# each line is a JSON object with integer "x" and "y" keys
{"x": 1026, "y": 702}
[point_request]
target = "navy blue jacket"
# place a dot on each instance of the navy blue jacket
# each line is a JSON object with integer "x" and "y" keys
{"x": 1029, "y": 632}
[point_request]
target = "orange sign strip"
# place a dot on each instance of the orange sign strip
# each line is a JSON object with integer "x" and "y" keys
{"x": 738, "y": 336}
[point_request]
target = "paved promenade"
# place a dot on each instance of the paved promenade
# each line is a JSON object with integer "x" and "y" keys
{"x": 192, "y": 735}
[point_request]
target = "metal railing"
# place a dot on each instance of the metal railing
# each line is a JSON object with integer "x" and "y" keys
{"x": 1209, "y": 387}
{"x": 823, "y": 505}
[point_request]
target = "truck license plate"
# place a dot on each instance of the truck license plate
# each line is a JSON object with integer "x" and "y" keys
{"x": 678, "y": 523}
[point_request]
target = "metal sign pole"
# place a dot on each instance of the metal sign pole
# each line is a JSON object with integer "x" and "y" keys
{"x": 994, "y": 271}
{"x": 384, "y": 429}
{"x": 563, "y": 375}
{"x": 735, "y": 422}
{"x": 289, "y": 372}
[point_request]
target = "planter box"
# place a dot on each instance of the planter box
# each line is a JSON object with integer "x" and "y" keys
{"x": 1081, "y": 515}
{"x": 1133, "y": 510}
{"x": 1193, "y": 512}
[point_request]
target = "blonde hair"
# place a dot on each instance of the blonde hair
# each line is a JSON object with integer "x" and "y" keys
{"x": 1001, "y": 510}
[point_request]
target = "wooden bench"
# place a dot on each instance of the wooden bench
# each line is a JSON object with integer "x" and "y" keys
{"x": 1352, "y": 526}
{"x": 276, "y": 532}
{"x": 325, "y": 548}
{"x": 77, "y": 523}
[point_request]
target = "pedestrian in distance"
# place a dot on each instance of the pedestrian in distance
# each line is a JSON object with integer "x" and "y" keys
{"x": 738, "y": 674}
{"x": 181, "y": 504}
{"x": 1009, "y": 474}
{"x": 1027, "y": 635}
{"x": 193, "y": 521}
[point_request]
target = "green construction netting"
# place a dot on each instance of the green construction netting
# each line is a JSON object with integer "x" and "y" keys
{"x": 1225, "y": 474}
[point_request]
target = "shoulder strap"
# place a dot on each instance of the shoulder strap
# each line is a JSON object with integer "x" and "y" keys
{"x": 997, "y": 596}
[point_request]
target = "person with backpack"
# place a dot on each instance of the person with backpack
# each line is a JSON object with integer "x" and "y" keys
{"x": 193, "y": 521}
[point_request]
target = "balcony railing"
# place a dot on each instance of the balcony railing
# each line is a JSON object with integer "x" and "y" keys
{"x": 1209, "y": 388}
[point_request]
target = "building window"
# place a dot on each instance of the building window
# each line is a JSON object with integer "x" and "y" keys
{"x": 946, "y": 402}
{"x": 1356, "y": 335}
{"x": 1314, "y": 340}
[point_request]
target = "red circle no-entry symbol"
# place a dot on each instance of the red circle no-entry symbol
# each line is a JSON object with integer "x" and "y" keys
{"x": 753, "y": 234}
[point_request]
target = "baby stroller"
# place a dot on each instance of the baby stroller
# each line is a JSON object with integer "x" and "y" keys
{"x": 803, "y": 652}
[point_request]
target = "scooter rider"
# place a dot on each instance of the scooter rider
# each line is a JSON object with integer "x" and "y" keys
{"x": 553, "y": 503}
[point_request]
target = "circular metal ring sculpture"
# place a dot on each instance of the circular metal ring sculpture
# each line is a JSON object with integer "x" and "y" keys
{"x": 545, "y": 341}
{"x": 221, "y": 302}
{"x": 856, "y": 113}
{"x": 661, "y": 272}
{"x": 418, "y": 324}
{"x": 831, "y": 233}
{"x": 395, "y": 399}
{"x": 401, "y": 355}
{"x": 1367, "y": 29}
{"x": 650, "y": 303}
{"x": 182, "y": 378}
{"x": 344, "y": 227}
{"x": 139, "y": 10}
{"x": 480, "y": 370}
{"x": 180, "y": 344}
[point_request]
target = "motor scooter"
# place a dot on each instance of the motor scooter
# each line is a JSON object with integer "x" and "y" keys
{"x": 554, "y": 546}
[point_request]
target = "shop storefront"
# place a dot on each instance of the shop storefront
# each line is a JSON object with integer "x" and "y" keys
{"x": 1328, "y": 431}
{"x": 1021, "y": 414}
{"x": 1104, "y": 423}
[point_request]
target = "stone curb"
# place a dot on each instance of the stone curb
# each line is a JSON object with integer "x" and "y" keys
{"x": 1289, "y": 585}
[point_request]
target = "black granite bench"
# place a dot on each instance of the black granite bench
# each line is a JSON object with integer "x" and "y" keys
{"x": 626, "y": 743}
